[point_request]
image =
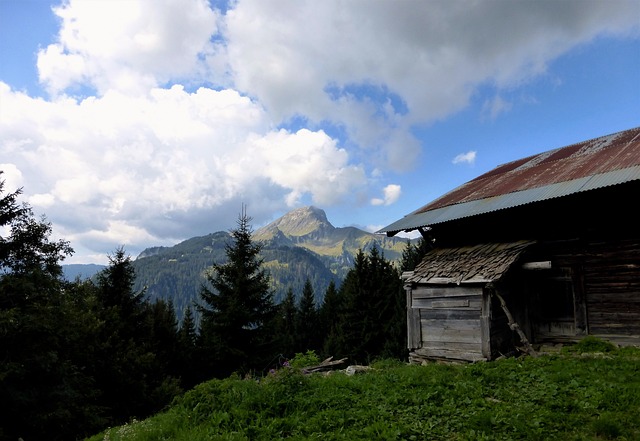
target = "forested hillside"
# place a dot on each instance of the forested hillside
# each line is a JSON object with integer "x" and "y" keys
{"x": 300, "y": 245}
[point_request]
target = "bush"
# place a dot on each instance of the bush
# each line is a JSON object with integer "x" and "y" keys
{"x": 591, "y": 344}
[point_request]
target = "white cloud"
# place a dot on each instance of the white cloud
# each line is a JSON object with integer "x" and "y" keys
{"x": 468, "y": 158}
{"x": 431, "y": 55}
{"x": 127, "y": 45}
{"x": 391, "y": 193}
{"x": 11, "y": 176}
{"x": 127, "y": 169}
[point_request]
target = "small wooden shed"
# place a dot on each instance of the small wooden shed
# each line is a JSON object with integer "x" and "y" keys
{"x": 541, "y": 250}
{"x": 452, "y": 302}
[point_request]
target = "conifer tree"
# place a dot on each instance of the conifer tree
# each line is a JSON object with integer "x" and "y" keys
{"x": 285, "y": 328}
{"x": 238, "y": 311}
{"x": 307, "y": 337}
{"x": 126, "y": 359}
{"x": 187, "y": 337}
{"x": 329, "y": 318}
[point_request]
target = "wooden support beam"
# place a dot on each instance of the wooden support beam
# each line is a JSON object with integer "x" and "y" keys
{"x": 513, "y": 324}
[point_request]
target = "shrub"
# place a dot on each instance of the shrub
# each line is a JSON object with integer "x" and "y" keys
{"x": 591, "y": 344}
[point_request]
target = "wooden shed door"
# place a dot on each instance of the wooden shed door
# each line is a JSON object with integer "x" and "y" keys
{"x": 450, "y": 321}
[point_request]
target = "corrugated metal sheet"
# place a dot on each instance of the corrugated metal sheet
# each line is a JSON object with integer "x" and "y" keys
{"x": 597, "y": 163}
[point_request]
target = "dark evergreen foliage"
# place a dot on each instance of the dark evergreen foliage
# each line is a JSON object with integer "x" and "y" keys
{"x": 413, "y": 253}
{"x": 306, "y": 323}
{"x": 371, "y": 294}
{"x": 42, "y": 388}
{"x": 286, "y": 326}
{"x": 238, "y": 309}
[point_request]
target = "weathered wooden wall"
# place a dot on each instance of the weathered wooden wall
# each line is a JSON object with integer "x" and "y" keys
{"x": 605, "y": 277}
{"x": 611, "y": 272}
{"x": 449, "y": 322}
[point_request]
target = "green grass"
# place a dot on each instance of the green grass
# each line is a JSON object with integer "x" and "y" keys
{"x": 560, "y": 397}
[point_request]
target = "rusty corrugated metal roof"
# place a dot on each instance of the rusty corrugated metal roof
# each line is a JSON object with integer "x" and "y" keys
{"x": 588, "y": 165}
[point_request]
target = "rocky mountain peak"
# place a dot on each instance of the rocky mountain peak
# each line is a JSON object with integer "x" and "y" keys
{"x": 298, "y": 222}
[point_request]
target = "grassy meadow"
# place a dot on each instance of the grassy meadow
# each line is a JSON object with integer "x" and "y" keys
{"x": 572, "y": 395}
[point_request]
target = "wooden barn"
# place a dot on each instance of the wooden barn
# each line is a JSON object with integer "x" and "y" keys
{"x": 542, "y": 250}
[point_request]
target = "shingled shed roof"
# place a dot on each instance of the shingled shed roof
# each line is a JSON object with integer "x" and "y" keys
{"x": 588, "y": 165}
{"x": 471, "y": 264}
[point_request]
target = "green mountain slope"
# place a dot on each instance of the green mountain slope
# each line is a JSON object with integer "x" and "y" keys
{"x": 301, "y": 244}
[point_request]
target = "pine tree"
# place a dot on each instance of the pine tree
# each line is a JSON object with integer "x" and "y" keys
{"x": 128, "y": 370}
{"x": 329, "y": 317}
{"x": 238, "y": 310}
{"x": 307, "y": 337}
{"x": 187, "y": 337}
{"x": 285, "y": 329}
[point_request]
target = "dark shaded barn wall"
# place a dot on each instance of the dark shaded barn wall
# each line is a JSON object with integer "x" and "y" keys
{"x": 592, "y": 288}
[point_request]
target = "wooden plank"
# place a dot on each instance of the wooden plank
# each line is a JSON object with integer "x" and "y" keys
{"x": 450, "y": 314}
{"x": 414, "y": 330}
{"x": 448, "y": 291}
{"x": 462, "y": 347}
{"x": 460, "y": 303}
{"x": 450, "y": 355}
{"x": 485, "y": 324}
{"x": 543, "y": 265}
{"x": 579, "y": 302}
{"x": 451, "y": 335}
{"x": 452, "y": 323}
{"x": 466, "y": 302}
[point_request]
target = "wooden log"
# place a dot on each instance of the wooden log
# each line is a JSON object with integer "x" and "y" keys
{"x": 326, "y": 365}
{"x": 514, "y": 325}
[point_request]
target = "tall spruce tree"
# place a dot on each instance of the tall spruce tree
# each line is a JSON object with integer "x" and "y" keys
{"x": 286, "y": 322}
{"x": 307, "y": 335}
{"x": 187, "y": 337}
{"x": 238, "y": 311}
{"x": 126, "y": 361}
{"x": 329, "y": 317}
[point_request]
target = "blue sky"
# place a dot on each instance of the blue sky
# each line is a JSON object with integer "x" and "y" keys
{"x": 146, "y": 122}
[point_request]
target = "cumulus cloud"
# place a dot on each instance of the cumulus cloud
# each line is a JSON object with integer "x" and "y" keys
{"x": 391, "y": 193}
{"x": 127, "y": 169}
{"x": 330, "y": 61}
{"x": 127, "y": 46}
{"x": 468, "y": 158}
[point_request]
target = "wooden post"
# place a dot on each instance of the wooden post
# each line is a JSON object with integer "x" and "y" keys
{"x": 513, "y": 325}
{"x": 485, "y": 324}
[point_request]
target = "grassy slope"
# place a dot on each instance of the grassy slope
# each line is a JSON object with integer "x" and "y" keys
{"x": 560, "y": 397}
